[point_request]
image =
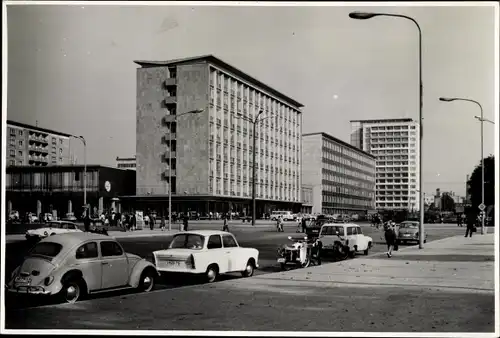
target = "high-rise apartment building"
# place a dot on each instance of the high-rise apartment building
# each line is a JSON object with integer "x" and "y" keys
{"x": 206, "y": 158}
{"x": 395, "y": 144}
{"x": 342, "y": 176}
{"x": 35, "y": 146}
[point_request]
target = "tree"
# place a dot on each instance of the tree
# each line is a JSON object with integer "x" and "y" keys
{"x": 448, "y": 204}
{"x": 475, "y": 181}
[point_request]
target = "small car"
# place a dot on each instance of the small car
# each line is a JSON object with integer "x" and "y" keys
{"x": 208, "y": 253}
{"x": 408, "y": 232}
{"x": 52, "y": 228}
{"x": 350, "y": 232}
{"x": 74, "y": 265}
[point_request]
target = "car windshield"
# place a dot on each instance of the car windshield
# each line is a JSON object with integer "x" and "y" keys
{"x": 408, "y": 225}
{"x": 55, "y": 225}
{"x": 188, "y": 241}
{"x": 46, "y": 249}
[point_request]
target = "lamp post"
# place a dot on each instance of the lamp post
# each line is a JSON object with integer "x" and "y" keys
{"x": 368, "y": 15}
{"x": 81, "y": 138}
{"x": 482, "y": 119}
{"x": 254, "y": 122}
{"x": 196, "y": 111}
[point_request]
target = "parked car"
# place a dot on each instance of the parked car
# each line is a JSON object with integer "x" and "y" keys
{"x": 351, "y": 233}
{"x": 74, "y": 265}
{"x": 206, "y": 252}
{"x": 31, "y": 218}
{"x": 408, "y": 232}
{"x": 52, "y": 228}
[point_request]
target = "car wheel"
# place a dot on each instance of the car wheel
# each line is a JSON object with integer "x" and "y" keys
{"x": 283, "y": 266}
{"x": 212, "y": 273}
{"x": 73, "y": 290}
{"x": 366, "y": 251}
{"x": 147, "y": 281}
{"x": 52, "y": 234}
{"x": 249, "y": 269}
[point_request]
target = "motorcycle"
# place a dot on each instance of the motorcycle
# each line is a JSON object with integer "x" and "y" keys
{"x": 301, "y": 253}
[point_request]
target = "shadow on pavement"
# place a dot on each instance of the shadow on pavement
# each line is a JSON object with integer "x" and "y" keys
{"x": 440, "y": 258}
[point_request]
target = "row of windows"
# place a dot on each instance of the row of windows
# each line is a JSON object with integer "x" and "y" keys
{"x": 64, "y": 181}
{"x": 400, "y": 127}
{"x": 395, "y": 145}
{"x": 366, "y": 192}
{"x": 34, "y": 135}
{"x": 348, "y": 152}
{"x": 241, "y": 91}
{"x": 346, "y": 201}
{"x": 338, "y": 169}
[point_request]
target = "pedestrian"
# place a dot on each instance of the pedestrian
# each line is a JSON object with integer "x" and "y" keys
{"x": 304, "y": 224}
{"x": 470, "y": 226}
{"x": 186, "y": 222}
{"x": 459, "y": 220}
{"x": 133, "y": 221}
{"x": 226, "y": 224}
{"x": 162, "y": 223}
{"x": 390, "y": 238}
{"x": 86, "y": 222}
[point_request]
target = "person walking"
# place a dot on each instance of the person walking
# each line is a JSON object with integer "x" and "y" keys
{"x": 162, "y": 223}
{"x": 390, "y": 238}
{"x": 226, "y": 224}
{"x": 186, "y": 222}
{"x": 304, "y": 224}
{"x": 86, "y": 221}
{"x": 471, "y": 224}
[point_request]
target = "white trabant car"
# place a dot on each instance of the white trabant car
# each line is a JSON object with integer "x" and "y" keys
{"x": 208, "y": 253}
{"x": 73, "y": 265}
{"x": 350, "y": 233}
{"x": 51, "y": 229}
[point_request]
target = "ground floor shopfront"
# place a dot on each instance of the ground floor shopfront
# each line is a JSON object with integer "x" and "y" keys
{"x": 203, "y": 204}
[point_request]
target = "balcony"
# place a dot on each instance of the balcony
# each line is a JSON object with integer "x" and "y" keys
{"x": 170, "y": 136}
{"x": 170, "y": 82}
{"x": 170, "y": 100}
{"x": 170, "y": 154}
{"x": 38, "y": 139}
{"x": 38, "y": 159}
{"x": 38, "y": 149}
{"x": 169, "y": 172}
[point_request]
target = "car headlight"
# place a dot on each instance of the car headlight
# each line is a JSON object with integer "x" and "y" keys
{"x": 48, "y": 280}
{"x": 45, "y": 233}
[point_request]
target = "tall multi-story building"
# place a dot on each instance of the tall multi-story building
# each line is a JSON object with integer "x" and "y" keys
{"x": 394, "y": 142}
{"x": 342, "y": 176}
{"x": 206, "y": 158}
{"x": 35, "y": 146}
{"x": 126, "y": 163}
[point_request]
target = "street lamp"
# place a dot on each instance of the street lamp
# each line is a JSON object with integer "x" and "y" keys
{"x": 368, "y": 15}
{"x": 81, "y": 138}
{"x": 254, "y": 122}
{"x": 196, "y": 111}
{"x": 482, "y": 119}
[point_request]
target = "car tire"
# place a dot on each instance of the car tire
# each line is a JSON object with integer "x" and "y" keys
{"x": 366, "y": 252}
{"x": 147, "y": 282}
{"x": 52, "y": 234}
{"x": 283, "y": 267}
{"x": 212, "y": 273}
{"x": 73, "y": 290}
{"x": 249, "y": 269}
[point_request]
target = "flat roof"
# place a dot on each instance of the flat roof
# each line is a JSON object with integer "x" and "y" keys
{"x": 384, "y": 120}
{"x": 350, "y": 146}
{"x": 218, "y": 62}
{"x": 43, "y": 130}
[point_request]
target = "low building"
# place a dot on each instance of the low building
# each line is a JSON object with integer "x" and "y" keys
{"x": 126, "y": 163}
{"x": 341, "y": 176}
{"x": 60, "y": 188}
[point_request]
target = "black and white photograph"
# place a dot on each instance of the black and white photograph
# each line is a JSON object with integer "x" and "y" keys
{"x": 250, "y": 168}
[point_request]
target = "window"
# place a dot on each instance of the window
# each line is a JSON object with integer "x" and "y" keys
{"x": 12, "y": 153}
{"x": 229, "y": 241}
{"x": 12, "y": 132}
{"x": 88, "y": 250}
{"x": 60, "y": 151}
{"x": 20, "y": 153}
{"x": 20, "y": 133}
{"x": 46, "y": 249}
{"x": 187, "y": 242}
{"x": 214, "y": 242}
{"x": 20, "y": 143}
{"x": 110, "y": 248}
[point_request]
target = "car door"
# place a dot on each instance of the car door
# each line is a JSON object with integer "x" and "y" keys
{"x": 236, "y": 260}
{"x": 351, "y": 236}
{"x": 361, "y": 240}
{"x": 88, "y": 262}
{"x": 114, "y": 262}
{"x": 217, "y": 253}
{"x": 327, "y": 237}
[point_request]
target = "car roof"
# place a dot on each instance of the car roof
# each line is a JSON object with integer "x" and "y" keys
{"x": 74, "y": 238}
{"x": 60, "y": 222}
{"x": 342, "y": 224}
{"x": 204, "y": 232}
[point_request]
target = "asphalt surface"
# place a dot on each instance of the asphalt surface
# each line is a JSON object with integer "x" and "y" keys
{"x": 265, "y": 239}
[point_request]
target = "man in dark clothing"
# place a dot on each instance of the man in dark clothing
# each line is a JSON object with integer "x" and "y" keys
{"x": 86, "y": 222}
{"x": 390, "y": 238}
{"x": 471, "y": 220}
{"x": 304, "y": 224}
{"x": 186, "y": 222}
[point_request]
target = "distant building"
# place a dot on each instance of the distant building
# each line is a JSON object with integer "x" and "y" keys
{"x": 29, "y": 145}
{"x": 342, "y": 176}
{"x": 307, "y": 199}
{"x": 395, "y": 144}
{"x": 60, "y": 188}
{"x": 205, "y": 160}
{"x": 126, "y": 163}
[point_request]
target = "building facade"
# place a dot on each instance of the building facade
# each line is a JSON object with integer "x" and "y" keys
{"x": 205, "y": 159}
{"x": 126, "y": 163}
{"x": 60, "y": 188}
{"x": 342, "y": 177}
{"x": 395, "y": 144}
{"x": 33, "y": 146}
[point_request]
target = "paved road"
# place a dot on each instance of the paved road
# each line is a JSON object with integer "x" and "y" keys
{"x": 265, "y": 239}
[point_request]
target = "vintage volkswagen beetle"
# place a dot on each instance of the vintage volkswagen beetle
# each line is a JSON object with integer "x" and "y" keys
{"x": 73, "y": 265}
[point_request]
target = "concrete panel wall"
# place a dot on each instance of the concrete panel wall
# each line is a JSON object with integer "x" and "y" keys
{"x": 311, "y": 168}
{"x": 192, "y": 129}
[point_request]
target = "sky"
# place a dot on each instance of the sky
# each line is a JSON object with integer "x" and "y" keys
{"x": 70, "y": 68}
